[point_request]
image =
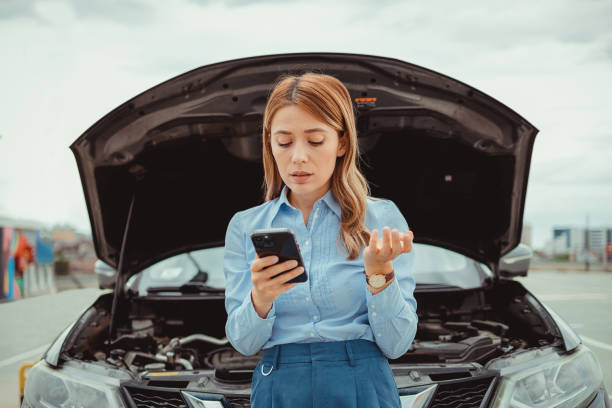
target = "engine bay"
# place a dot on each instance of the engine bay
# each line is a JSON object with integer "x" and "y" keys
{"x": 186, "y": 333}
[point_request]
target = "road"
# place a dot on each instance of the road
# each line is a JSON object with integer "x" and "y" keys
{"x": 583, "y": 299}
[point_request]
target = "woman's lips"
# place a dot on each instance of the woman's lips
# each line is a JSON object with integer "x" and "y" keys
{"x": 300, "y": 178}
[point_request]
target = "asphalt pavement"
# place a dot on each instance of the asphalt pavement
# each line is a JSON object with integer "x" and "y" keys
{"x": 583, "y": 299}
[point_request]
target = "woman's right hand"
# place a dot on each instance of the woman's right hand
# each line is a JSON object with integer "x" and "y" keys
{"x": 267, "y": 288}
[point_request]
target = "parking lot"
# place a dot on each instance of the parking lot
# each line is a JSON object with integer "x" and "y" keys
{"x": 583, "y": 299}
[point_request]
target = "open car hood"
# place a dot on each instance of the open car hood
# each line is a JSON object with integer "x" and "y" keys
{"x": 188, "y": 152}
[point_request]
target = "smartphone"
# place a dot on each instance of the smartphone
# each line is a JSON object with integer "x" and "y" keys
{"x": 280, "y": 242}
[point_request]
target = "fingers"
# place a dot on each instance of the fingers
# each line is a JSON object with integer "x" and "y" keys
{"x": 408, "y": 237}
{"x": 264, "y": 278}
{"x": 261, "y": 263}
{"x": 373, "y": 241}
{"x": 279, "y": 284}
{"x": 274, "y": 270}
{"x": 396, "y": 239}
{"x": 392, "y": 242}
{"x": 285, "y": 277}
{"x": 387, "y": 248}
{"x": 266, "y": 283}
{"x": 283, "y": 287}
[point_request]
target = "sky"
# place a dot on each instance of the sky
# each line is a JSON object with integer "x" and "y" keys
{"x": 67, "y": 63}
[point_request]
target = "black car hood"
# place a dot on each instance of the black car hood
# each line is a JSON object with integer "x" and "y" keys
{"x": 188, "y": 152}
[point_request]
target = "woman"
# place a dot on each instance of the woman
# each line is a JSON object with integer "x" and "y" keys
{"x": 325, "y": 340}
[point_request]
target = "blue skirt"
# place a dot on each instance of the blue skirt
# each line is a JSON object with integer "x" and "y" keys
{"x": 351, "y": 373}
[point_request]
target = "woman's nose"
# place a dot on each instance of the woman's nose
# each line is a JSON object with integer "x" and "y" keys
{"x": 299, "y": 154}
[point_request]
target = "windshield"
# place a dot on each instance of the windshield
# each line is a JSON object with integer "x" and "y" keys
{"x": 439, "y": 266}
{"x": 433, "y": 265}
{"x": 203, "y": 266}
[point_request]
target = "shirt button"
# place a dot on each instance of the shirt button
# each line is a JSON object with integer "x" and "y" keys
{"x": 311, "y": 334}
{"x": 374, "y": 314}
{"x": 269, "y": 324}
{"x": 373, "y": 306}
{"x": 307, "y": 242}
{"x": 315, "y": 317}
{"x": 308, "y": 298}
{"x": 379, "y": 334}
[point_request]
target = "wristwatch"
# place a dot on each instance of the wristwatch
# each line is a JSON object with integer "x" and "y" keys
{"x": 378, "y": 280}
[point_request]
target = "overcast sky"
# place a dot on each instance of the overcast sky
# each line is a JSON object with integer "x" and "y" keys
{"x": 65, "y": 64}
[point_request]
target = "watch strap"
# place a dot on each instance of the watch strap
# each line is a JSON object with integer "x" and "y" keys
{"x": 387, "y": 276}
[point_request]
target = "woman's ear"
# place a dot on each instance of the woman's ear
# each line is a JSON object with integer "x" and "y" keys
{"x": 342, "y": 144}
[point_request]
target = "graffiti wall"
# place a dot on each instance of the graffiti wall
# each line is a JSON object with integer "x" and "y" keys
{"x": 7, "y": 266}
{"x": 20, "y": 248}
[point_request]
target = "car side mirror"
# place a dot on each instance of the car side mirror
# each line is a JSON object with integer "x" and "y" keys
{"x": 106, "y": 275}
{"x": 516, "y": 262}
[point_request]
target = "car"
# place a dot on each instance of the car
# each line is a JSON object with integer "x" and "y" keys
{"x": 179, "y": 267}
{"x": 106, "y": 274}
{"x": 164, "y": 172}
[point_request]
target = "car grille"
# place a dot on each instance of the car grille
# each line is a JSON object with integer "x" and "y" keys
{"x": 151, "y": 398}
{"x": 148, "y": 398}
{"x": 463, "y": 394}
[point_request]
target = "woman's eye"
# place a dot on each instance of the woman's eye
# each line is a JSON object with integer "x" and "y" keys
{"x": 288, "y": 143}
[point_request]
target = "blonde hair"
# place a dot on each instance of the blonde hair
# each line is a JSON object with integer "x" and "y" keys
{"x": 326, "y": 98}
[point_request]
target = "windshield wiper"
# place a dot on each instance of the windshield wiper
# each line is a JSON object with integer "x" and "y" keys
{"x": 189, "y": 287}
{"x": 202, "y": 276}
{"x": 434, "y": 286}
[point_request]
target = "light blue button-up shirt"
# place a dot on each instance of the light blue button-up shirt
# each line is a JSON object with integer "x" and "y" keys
{"x": 334, "y": 303}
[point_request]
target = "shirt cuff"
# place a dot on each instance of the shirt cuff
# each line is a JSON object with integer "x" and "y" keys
{"x": 255, "y": 319}
{"x": 388, "y": 302}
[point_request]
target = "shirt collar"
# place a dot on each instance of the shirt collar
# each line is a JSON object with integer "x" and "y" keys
{"x": 280, "y": 200}
{"x": 328, "y": 199}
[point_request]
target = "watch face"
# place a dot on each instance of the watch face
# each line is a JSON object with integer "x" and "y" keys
{"x": 377, "y": 280}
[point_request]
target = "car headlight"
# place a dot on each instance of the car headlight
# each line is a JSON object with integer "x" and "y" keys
{"x": 550, "y": 381}
{"x": 52, "y": 388}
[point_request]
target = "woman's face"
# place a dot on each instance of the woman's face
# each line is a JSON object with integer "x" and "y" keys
{"x": 305, "y": 151}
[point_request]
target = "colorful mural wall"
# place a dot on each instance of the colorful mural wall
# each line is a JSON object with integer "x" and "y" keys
{"x": 20, "y": 249}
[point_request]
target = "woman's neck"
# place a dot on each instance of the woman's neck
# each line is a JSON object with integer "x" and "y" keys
{"x": 305, "y": 202}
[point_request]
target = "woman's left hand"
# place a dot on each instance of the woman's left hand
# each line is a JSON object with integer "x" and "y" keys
{"x": 379, "y": 253}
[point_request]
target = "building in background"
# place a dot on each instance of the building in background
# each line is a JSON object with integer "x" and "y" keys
{"x": 74, "y": 249}
{"x": 579, "y": 244}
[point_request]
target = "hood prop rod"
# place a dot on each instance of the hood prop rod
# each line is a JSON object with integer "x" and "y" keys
{"x": 120, "y": 269}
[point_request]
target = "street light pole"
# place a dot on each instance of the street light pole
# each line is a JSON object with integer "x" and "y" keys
{"x": 586, "y": 244}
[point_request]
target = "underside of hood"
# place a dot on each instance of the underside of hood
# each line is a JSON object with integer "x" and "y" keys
{"x": 188, "y": 153}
